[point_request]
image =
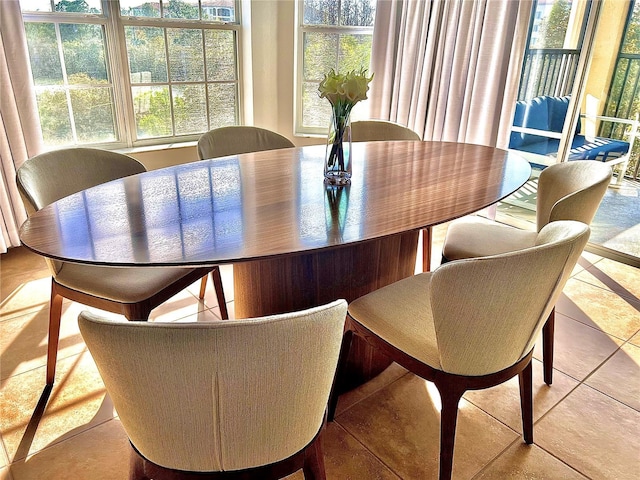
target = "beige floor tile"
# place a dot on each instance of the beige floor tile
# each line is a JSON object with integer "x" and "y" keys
{"x": 78, "y": 402}
{"x": 99, "y": 453}
{"x": 400, "y": 424}
{"x": 600, "y": 308}
{"x": 19, "y": 266}
{"x": 593, "y": 433}
{"x": 24, "y": 339}
{"x": 578, "y": 349}
{"x": 635, "y": 340}
{"x": 179, "y": 306}
{"x": 503, "y": 401}
{"x": 350, "y": 398}
{"x": 619, "y": 377}
{"x": 530, "y": 462}
{"x": 5, "y": 474}
{"x": 617, "y": 277}
{"x": 26, "y": 297}
{"x": 346, "y": 458}
{"x": 4, "y": 460}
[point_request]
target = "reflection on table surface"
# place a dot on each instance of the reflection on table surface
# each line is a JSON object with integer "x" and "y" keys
{"x": 271, "y": 203}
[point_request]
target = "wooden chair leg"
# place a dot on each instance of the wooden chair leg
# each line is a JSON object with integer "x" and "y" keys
{"x": 203, "y": 286}
{"x": 525, "y": 377}
{"x": 337, "y": 381}
{"x": 450, "y": 395}
{"x": 426, "y": 249}
{"x": 55, "y": 313}
{"x": 313, "y": 466}
{"x": 136, "y": 465}
{"x": 217, "y": 284}
{"x": 547, "y": 347}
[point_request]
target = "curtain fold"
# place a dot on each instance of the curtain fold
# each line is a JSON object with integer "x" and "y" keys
{"x": 20, "y": 137}
{"x": 449, "y": 69}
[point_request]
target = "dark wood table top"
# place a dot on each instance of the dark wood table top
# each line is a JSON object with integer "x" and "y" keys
{"x": 273, "y": 203}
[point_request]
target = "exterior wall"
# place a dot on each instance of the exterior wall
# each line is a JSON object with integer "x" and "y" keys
{"x": 607, "y": 41}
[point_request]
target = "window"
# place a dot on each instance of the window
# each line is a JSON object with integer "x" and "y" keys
{"x": 551, "y": 60}
{"x": 132, "y": 72}
{"x": 623, "y": 100}
{"x": 331, "y": 34}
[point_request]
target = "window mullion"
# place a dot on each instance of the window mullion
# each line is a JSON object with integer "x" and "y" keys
{"x": 119, "y": 68}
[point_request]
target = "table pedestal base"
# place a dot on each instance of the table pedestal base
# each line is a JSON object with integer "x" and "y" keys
{"x": 297, "y": 282}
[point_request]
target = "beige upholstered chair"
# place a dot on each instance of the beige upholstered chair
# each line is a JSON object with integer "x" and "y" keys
{"x": 471, "y": 324}
{"x": 234, "y": 140}
{"x": 566, "y": 191}
{"x": 381, "y": 130}
{"x": 221, "y": 396}
{"x": 132, "y": 292}
{"x": 374, "y": 130}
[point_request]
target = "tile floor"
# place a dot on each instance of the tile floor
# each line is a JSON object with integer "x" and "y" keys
{"x": 587, "y": 423}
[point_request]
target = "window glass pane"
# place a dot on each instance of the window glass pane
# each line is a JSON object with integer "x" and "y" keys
{"x": 35, "y": 5}
{"x": 83, "y": 49}
{"x": 220, "y": 48}
{"x": 78, "y": 6}
{"x": 186, "y": 58}
{"x": 145, "y": 48}
{"x": 190, "y": 109}
{"x": 93, "y": 115}
{"x": 219, "y": 10}
{"x": 355, "y": 52}
{"x": 54, "y": 117}
{"x": 43, "y": 53}
{"x": 134, "y": 8}
{"x": 321, "y": 12}
{"x": 551, "y": 20}
{"x": 631, "y": 42}
{"x": 222, "y": 105}
{"x": 357, "y": 12}
{"x": 346, "y": 12}
{"x": 320, "y": 54}
{"x": 316, "y": 110}
{"x": 187, "y": 9}
{"x": 153, "y": 111}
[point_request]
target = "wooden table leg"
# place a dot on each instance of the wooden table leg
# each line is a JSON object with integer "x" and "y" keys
{"x": 295, "y": 282}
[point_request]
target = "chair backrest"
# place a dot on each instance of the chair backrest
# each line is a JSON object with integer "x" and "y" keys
{"x": 220, "y": 395}
{"x": 235, "y": 140}
{"x": 488, "y": 311}
{"x": 571, "y": 191}
{"x": 51, "y": 176}
{"x": 375, "y": 130}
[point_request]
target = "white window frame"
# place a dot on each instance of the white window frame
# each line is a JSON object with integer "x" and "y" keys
{"x": 301, "y": 29}
{"x": 118, "y": 66}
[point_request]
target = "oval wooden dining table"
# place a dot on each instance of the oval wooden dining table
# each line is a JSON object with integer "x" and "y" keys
{"x": 294, "y": 241}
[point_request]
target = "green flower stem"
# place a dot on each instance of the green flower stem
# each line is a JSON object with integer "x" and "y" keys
{"x": 341, "y": 112}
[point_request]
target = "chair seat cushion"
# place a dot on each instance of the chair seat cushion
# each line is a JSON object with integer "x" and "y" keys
{"x": 475, "y": 236}
{"x": 124, "y": 285}
{"x": 400, "y": 314}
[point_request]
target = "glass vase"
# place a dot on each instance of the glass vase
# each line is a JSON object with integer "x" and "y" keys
{"x": 337, "y": 162}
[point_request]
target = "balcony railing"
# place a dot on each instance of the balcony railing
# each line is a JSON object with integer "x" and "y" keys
{"x": 548, "y": 71}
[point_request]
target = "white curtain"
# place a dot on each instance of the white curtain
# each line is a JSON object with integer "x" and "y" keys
{"x": 20, "y": 137}
{"x": 449, "y": 69}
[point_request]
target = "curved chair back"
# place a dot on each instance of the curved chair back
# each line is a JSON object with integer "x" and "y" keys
{"x": 235, "y": 140}
{"x": 51, "y": 176}
{"x": 376, "y": 130}
{"x": 221, "y": 395}
{"x": 571, "y": 191}
{"x": 490, "y": 301}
